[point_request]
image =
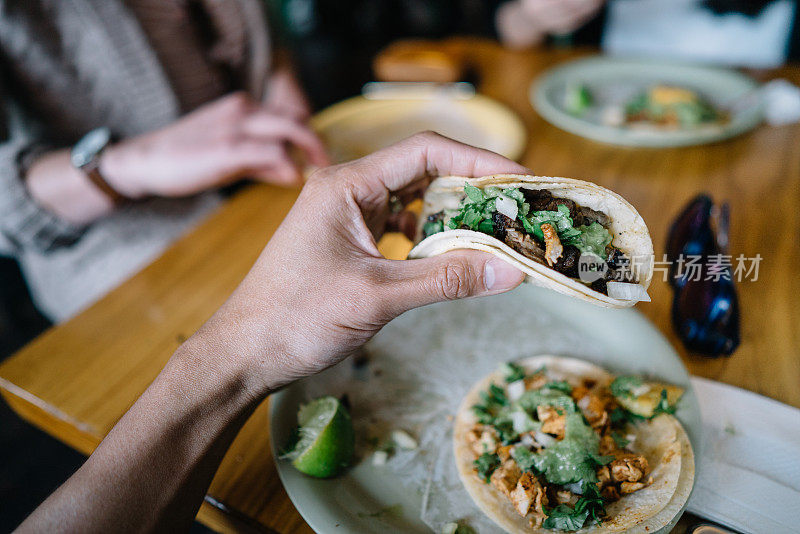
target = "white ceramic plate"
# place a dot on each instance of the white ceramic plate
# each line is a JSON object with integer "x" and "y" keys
{"x": 359, "y": 126}
{"x": 421, "y": 365}
{"x": 616, "y": 80}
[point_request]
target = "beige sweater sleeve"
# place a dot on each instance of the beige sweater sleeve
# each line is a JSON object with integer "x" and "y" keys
{"x": 23, "y": 223}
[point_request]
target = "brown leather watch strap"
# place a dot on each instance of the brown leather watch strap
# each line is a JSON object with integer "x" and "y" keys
{"x": 92, "y": 171}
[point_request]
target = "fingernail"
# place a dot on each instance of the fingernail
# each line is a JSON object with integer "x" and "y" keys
{"x": 499, "y": 275}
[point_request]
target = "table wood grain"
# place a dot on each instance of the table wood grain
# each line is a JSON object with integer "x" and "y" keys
{"x": 77, "y": 379}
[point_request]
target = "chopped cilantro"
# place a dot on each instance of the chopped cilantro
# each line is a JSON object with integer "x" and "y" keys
{"x": 479, "y": 205}
{"x": 577, "y": 98}
{"x": 663, "y": 405}
{"x": 486, "y": 226}
{"x": 529, "y": 228}
{"x": 559, "y": 386}
{"x": 559, "y": 219}
{"x": 474, "y": 193}
{"x": 600, "y": 459}
{"x": 495, "y": 394}
{"x": 589, "y": 239}
{"x": 475, "y": 212}
{"x": 505, "y": 430}
{"x": 620, "y": 416}
{"x": 562, "y": 517}
{"x": 492, "y": 401}
{"x": 546, "y": 397}
{"x": 619, "y": 439}
{"x": 513, "y": 372}
{"x": 483, "y": 414}
{"x": 638, "y": 104}
{"x": 622, "y": 386}
{"x": 517, "y": 195}
{"x": 486, "y": 464}
{"x": 588, "y": 506}
{"x": 433, "y": 227}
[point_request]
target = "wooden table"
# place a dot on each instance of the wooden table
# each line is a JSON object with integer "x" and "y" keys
{"x": 77, "y": 379}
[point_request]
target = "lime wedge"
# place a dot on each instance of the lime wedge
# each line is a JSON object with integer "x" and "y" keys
{"x": 325, "y": 440}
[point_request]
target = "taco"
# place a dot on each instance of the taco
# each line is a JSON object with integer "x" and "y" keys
{"x": 548, "y": 443}
{"x": 672, "y": 107}
{"x": 568, "y": 235}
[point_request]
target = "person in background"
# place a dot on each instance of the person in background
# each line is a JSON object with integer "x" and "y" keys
{"x": 749, "y": 33}
{"x": 151, "y": 471}
{"x": 119, "y": 122}
{"x": 333, "y": 43}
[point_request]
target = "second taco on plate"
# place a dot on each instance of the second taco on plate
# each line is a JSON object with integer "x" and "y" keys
{"x": 551, "y": 443}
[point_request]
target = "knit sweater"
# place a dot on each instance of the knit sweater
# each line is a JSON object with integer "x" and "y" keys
{"x": 69, "y": 66}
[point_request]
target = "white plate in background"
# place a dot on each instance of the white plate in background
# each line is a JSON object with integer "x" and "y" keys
{"x": 616, "y": 79}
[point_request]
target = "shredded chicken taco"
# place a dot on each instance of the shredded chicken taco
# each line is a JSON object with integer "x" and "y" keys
{"x": 551, "y": 443}
{"x": 568, "y": 235}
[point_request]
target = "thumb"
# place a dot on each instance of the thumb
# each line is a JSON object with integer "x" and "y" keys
{"x": 454, "y": 275}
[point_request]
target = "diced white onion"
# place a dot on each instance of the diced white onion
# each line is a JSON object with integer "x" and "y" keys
{"x": 627, "y": 291}
{"x": 575, "y": 488}
{"x": 612, "y": 115}
{"x": 555, "y": 376}
{"x": 507, "y": 206}
{"x": 380, "y": 457}
{"x": 404, "y": 440}
{"x": 519, "y": 421}
{"x": 631, "y": 440}
{"x": 516, "y": 389}
{"x": 640, "y": 390}
{"x": 545, "y": 440}
{"x": 450, "y": 528}
{"x": 528, "y": 440}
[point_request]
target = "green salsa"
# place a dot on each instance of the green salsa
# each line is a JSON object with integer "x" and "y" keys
{"x": 571, "y": 459}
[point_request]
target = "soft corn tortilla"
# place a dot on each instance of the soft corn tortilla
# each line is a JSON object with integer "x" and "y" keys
{"x": 627, "y": 227}
{"x": 661, "y": 440}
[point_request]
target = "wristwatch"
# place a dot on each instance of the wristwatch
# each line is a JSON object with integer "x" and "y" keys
{"x": 85, "y": 156}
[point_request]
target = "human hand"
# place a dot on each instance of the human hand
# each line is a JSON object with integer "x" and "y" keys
{"x": 525, "y": 23}
{"x": 228, "y": 139}
{"x": 285, "y": 97}
{"x": 320, "y": 288}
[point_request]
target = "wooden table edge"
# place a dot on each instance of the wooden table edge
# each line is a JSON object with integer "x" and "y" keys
{"x": 213, "y": 513}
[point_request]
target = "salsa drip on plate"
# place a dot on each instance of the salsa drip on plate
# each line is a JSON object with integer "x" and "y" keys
{"x": 559, "y": 451}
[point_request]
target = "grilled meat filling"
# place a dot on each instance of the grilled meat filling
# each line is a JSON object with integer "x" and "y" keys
{"x": 562, "y": 257}
{"x": 541, "y": 200}
{"x": 563, "y": 452}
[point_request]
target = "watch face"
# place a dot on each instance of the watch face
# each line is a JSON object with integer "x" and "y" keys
{"x": 89, "y": 146}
